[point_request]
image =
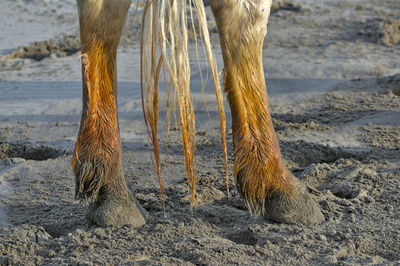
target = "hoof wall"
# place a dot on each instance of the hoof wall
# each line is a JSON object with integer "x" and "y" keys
{"x": 117, "y": 211}
{"x": 301, "y": 209}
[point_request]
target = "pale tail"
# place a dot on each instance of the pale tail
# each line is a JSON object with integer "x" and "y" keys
{"x": 164, "y": 51}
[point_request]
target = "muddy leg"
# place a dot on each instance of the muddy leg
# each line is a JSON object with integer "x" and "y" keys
{"x": 97, "y": 157}
{"x": 261, "y": 176}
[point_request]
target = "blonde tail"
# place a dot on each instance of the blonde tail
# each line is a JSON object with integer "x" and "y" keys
{"x": 164, "y": 45}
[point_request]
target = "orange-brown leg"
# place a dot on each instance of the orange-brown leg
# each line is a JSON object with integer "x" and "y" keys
{"x": 97, "y": 157}
{"x": 261, "y": 176}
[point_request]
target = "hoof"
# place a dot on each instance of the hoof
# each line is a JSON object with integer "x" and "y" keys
{"x": 301, "y": 209}
{"x": 119, "y": 210}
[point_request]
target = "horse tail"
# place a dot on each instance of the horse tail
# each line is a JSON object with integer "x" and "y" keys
{"x": 164, "y": 51}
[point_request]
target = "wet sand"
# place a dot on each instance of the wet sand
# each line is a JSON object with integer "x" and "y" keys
{"x": 333, "y": 78}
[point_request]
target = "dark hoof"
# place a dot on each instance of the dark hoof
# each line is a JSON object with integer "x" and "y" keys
{"x": 301, "y": 209}
{"x": 112, "y": 210}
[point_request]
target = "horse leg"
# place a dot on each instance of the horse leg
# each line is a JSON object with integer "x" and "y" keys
{"x": 261, "y": 176}
{"x": 96, "y": 161}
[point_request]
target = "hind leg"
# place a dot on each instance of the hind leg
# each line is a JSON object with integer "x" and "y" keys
{"x": 97, "y": 157}
{"x": 261, "y": 176}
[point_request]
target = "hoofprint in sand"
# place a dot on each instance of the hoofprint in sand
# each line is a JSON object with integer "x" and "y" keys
{"x": 335, "y": 98}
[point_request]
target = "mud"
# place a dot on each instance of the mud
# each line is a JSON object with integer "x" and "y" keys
{"x": 285, "y": 5}
{"x": 381, "y": 31}
{"x": 28, "y": 151}
{"x": 58, "y": 47}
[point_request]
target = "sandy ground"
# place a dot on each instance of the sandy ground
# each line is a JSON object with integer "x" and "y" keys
{"x": 333, "y": 77}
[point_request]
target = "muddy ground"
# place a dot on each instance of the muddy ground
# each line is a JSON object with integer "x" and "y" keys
{"x": 333, "y": 78}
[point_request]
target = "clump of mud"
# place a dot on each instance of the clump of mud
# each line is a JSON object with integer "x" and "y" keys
{"x": 391, "y": 84}
{"x": 385, "y": 32}
{"x": 382, "y": 136}
{"x": 28, "y": 151}
{"x": 57, "y": 47}
{"x": 304, "y": 153}
{"x": 285, "y": 5}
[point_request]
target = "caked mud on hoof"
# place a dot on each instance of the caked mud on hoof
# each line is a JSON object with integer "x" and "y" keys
{"x": 117, "y": 210}
{"x": 300, "y": 209}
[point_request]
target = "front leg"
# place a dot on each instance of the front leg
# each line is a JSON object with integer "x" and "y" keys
{"x": 261, "y": 176}
{"x": 96, "y": 161}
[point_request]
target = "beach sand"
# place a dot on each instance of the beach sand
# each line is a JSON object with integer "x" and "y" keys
{"x": 333, "y": 76}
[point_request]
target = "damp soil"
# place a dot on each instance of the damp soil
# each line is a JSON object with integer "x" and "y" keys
{"x": 333, "y": 79}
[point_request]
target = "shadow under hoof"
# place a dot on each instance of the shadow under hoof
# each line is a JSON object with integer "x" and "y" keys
{"x": 301, "y": 209}
{"x": 116, "y": 211}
